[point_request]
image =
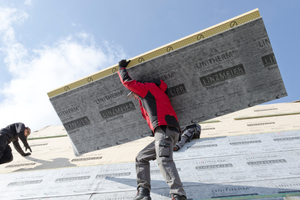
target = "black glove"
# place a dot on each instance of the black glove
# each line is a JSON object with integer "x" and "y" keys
{"x": 26, "y": 154}
{"x": 28, "y": 147}
{"x": 123, "y": 63}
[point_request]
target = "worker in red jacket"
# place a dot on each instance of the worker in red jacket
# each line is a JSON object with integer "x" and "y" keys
{"x": 157, "y": 110}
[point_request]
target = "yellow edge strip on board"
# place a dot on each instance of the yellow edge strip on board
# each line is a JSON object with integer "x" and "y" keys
{"x": 241, "y": 19}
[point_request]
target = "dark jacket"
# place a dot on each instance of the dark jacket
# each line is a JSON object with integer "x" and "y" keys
{"x": 155, "y": 105}
{"x": 12, "y": 133}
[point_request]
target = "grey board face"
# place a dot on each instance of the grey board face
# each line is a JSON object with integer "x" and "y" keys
{"x": 218, "y": 75}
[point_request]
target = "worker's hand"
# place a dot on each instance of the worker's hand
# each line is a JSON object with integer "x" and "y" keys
{"x": 123, "y": 63}
{"x": 28, "y": 147}
{"x": 27, "y": 154}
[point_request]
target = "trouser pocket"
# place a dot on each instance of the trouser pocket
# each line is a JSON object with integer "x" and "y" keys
{"x": 164, "y": 148}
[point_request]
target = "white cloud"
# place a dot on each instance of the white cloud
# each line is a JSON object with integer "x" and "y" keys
{"x": 38, "y": 71}
{"x": 28, "y": 2}
{"x": 13, "y": 50}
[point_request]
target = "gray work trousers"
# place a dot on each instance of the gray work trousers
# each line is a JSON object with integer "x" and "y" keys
{"x": 162, "y": 150}
{"x": 185, "y": 137}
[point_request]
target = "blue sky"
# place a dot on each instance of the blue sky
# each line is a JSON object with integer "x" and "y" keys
{"x": 46, "y": 44}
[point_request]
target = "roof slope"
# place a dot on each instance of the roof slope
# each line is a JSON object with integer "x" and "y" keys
{"x": 253, "y": 153}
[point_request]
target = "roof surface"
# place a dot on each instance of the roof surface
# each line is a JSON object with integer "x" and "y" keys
{"x": 250, "y": 154}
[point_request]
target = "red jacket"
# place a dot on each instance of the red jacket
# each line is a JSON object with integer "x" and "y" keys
{"x": 155, "y": 105}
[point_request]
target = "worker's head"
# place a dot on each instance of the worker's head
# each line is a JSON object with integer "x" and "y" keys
{"x": 132, "y": 94}
{"x": 27, "y": 131}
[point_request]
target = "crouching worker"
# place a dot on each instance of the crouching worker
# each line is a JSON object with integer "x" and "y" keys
{"x": 188, "y": 133}
{"x": 157, "y": 110}
{"x": 9, "y": 134}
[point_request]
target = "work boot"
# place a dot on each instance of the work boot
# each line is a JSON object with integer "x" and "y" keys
{"x": 178, "y": 197}
{"x": 176, "y": 148}
{"x": 142, "y": 194}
